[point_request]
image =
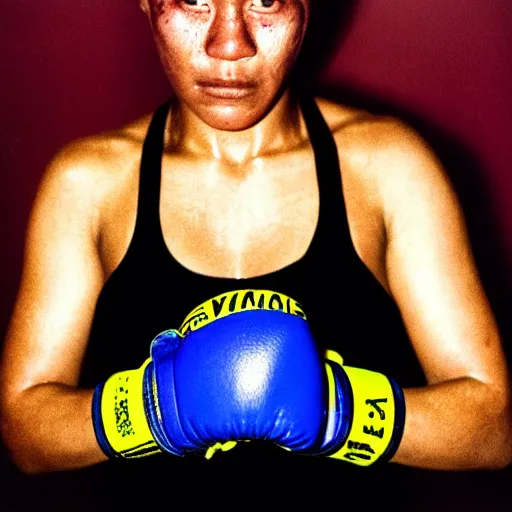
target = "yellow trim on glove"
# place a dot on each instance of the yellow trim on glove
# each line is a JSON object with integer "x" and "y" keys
{"x": 236, "y": 302}
{"x": 124, "y": 419}
{"x": 225, "y": 447}
{"x": 373, "y": 414}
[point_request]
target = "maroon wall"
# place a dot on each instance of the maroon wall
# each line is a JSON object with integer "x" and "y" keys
{"x": 73, "y": 68}
{"x": 449, "y": 62}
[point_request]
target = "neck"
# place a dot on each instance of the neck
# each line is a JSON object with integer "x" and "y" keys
{"x": 278, "y": 131}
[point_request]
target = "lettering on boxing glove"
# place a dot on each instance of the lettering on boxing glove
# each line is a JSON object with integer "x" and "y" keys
{"x": 366, "y": 414}
{"x": 236, "y": 302}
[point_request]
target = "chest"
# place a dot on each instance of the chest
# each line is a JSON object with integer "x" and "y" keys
{"x": 240, "y": 222}
{"x": 237, "y": 222}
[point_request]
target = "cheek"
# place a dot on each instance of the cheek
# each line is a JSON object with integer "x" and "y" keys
{"x": 278, "y": 39}
{"x": 281, "y": 41}
{"x": 179, "y": 39}
{"x": 279, "y": 45}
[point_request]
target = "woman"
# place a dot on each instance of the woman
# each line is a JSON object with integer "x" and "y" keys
{"x": 245, "y": 185}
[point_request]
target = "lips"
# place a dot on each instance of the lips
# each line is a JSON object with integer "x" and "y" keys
{"x": 227, "y": 89}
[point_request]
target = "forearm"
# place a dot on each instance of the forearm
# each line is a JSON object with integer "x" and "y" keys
{"x": 49, "y": 428}
{"x": 456, "y": 425}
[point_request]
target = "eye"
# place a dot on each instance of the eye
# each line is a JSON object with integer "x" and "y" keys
{"x": 265, "y": 6}
{"x": 197, "y": 5}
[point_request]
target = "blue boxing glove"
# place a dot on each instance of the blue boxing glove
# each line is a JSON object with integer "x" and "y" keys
{"x": 243, "y": 366}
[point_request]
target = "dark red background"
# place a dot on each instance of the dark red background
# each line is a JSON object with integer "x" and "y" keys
{"x": 70, "y": 69}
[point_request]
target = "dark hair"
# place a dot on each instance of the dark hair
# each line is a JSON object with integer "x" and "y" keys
{"x": 329, "y": 22}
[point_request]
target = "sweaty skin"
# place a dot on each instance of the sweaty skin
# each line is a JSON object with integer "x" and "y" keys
{"x": 236, "y": 139}
{"x": 242, "y": 43}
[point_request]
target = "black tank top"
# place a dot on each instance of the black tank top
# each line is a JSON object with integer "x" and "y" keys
{"x": 150, "y": 291}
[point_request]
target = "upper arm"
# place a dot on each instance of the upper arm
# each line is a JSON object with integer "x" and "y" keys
{"x": 430, "y": 267}
{"x": 60, "y": 282}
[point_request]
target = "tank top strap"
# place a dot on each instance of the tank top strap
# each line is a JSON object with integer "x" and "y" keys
{"x": 332, "y": 227}
{"x": 148, "y": 238}
{"x": 147, "y": 225}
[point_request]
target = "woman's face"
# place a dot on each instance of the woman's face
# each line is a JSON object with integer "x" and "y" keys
{"x": 227, "y": 59}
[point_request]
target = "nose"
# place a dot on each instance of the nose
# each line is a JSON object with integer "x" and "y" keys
{"x": 228, "y": 36}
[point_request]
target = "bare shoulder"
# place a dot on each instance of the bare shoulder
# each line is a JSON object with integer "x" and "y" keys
{"x": 87, "y": 172}
{"x": 383, "y": 153}
{"x": 365, "y": 135}
{"x": 99, "y": 158}
{"x": 392, "y": 182}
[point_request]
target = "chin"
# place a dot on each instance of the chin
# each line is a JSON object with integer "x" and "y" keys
{"x": 232, "y": 117}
